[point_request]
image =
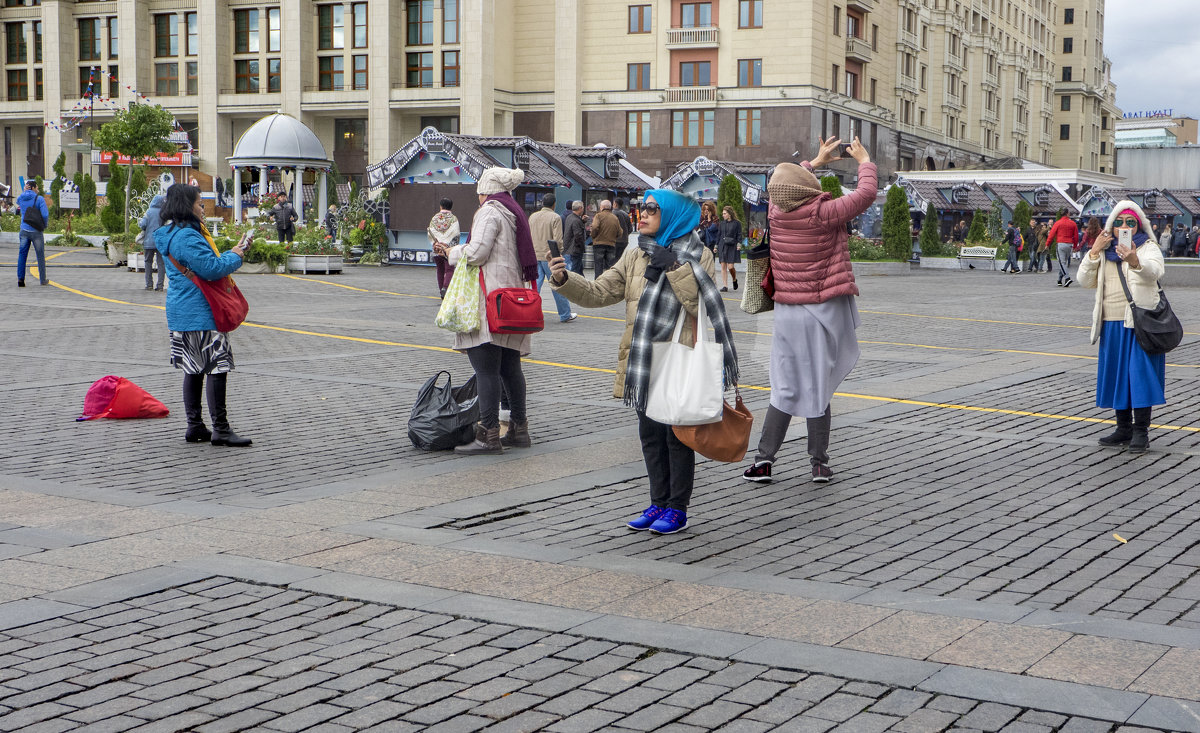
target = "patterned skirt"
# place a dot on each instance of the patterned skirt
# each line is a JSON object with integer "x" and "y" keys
{"x": 201, "y": 352}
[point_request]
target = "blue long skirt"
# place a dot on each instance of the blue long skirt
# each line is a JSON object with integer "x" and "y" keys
{"x": 1128, "y": 377}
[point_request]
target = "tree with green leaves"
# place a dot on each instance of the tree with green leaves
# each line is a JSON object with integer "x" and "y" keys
{"x": 995, "y": 221}
{"x": 1022, "y": 214}
{"x": 113, "y": 215}
{"x": 730, "y": 194}
{"x": 139, "y": 132}
{"x": 56, "y": 186}
{"x": 832, "y": 186}
{"x": 897, "y": 224}
{"x": 137, "y": 182}
{"x": 87, "y": 194}
{"x": 931, "y": 234}
{"x": 978, "y": 230}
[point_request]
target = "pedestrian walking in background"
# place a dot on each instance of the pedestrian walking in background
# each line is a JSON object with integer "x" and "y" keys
{"x": 285, "y": 219}
{"x": 34, "y": 217}
{"x": 729, "y": 246}
{"x": 709, "y": 226}
{"x": 443, "y": 232}
{"x": 574, "y": 237}
{"x": 149, "y": 224}
{"x": 197, "y": 347}
{"x": 1010, "y": 238}
{"x": 1063, "y": 234}
{"x": 606, "y": 230}
{"x": 331, "y": 223}
{"x": 1165, "y": 237}
{"x": 813, "y": 344}
{"x": 502, "y": 246}
{"x": 670, "y": 269}
{"x": 626, "y": 226}
{"x": 1128, "y": 380}
{"x": 545, "y": 225}
{"x": 958, "y": 234}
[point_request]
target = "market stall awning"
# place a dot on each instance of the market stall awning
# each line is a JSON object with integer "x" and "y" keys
{"x": 463, "y": 159}
{"x": 752, "y": 177}
{"x": 593, "y": 168}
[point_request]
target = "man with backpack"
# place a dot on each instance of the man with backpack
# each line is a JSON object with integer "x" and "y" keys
{"x": 34, "y": 215}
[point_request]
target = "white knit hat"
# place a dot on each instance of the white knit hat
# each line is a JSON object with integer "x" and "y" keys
{"x": 498, "y": 180}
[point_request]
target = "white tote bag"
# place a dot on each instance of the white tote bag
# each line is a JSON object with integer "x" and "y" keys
{"x": 686, "y": 384}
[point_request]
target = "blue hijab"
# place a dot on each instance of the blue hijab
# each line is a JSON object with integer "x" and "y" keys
{"x": 680, "y": 215}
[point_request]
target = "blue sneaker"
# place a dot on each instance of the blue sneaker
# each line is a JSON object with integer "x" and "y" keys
{"x": 671, "y": 521}
{"x": 643, "y": 522}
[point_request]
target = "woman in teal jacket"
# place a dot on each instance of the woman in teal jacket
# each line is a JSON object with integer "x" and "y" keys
{"x": 197, "y": 347}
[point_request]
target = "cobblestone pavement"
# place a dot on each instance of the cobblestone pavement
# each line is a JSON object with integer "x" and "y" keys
{"x": 224, "y": 655}
{"x": 967, "y": 548}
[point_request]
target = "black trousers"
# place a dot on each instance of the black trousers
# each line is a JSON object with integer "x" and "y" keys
{"x": 498, "y": 372}
{"x": 604, "y": 256}
{"x": 670, "y": 464}
{"x": 775, "y": 428}
{"x": 288, "y": 235}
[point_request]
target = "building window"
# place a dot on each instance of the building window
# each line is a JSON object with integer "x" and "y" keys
{"x": 358, "y": 12}
{"x": 749, "y": 126}
{"x": 450, "y": 68}
{"x": 245, "y": 31}
{"x": 637, "y": 129}
{"x": 874, "y": 88}
{"x": 350, "y": 135}
{"x": 166, "y": 80}
{"x": 192, "y": 24}
{"x": 89, "y": 39}
{"x": 1068, "y": 16}
{"x": 837, "y": 21}
{"x": 193, "y": 78}
{"x": 274, "y": 75}
{"x": 852, "y": 84}
{"x": 37, "y": 83}
{"x": 639, "y": 18}
{"x": 692, "y": 128}
{"x": 1064, "y": 132}
{"x": 330, "y": 76}
{"x": 166, "y": 35}
{"x": 749, "y": 72}
{"x": 1068, "y": 45}
{"x": 441, "y": 124}
{"x": 274, "y": 28}
{"x": 331, "y": 27}
{"x": 1065, "y": 103}
{"x": 837, "y": 72}
{"x": 359, "y": 79}
{"x": 695, "y": 15}
{"x": 114, "y": 45}
{"x": 853, "y": 26}
{"x": 1066, "y": 76}
{"x": 1104, "y": 148}
{"x": 85, "y": 80}
{"x": 420, "y": 69}
{"x": 18, "y": 85}
{"x": 37, "y": 41}
{"x": 638, "y": 77}
{"x": 874, "y": 38}
{"x": 114, "y": 86}
{"x": 14, "y": 36}
{"x": 420, "y": 22}
{"x": 449, "y": 21}
{"x": 695, "y": 73}
{"x": 749, "y": 13}
{"x": 245, "y": 73}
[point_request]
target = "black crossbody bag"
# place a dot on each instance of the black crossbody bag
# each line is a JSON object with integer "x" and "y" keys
{"x": 1158, "y": 330}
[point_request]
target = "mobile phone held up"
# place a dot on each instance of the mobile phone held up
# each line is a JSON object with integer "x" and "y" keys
{"x": 555, "y": 252}
{"x": 1125, "y": 237}
{"x": 246, "y": 239}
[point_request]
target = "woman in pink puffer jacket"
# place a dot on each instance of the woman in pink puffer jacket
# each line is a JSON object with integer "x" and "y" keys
{"x": 813, "y": 346}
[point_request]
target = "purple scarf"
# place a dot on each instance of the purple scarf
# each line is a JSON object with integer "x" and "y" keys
{"x": 529, "y": 261}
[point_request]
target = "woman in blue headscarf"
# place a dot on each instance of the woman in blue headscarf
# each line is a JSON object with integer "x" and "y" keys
{"x": 668, "y": 270}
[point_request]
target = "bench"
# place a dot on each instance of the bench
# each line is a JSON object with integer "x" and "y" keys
{"x": 966, "y": 254}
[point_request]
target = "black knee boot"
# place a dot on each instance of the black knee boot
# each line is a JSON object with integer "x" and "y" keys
{"x": 1139, "y": 442}
{"x": 193, "y": 387}
{"x": 222, "y": 433}
{"x": 1124, "y": 431}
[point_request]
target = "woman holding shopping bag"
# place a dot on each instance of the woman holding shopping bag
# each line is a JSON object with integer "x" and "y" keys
{"x": 669, "y": 270}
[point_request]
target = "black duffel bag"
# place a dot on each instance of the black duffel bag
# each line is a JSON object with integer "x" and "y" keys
{"x": 1157, "y": 329}
{"x": 443, "y": 418}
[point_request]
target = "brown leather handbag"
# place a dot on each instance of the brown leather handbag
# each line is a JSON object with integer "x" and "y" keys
{"x": 726, "y": 441}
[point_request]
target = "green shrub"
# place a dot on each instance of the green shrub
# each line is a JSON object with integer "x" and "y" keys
{"x": 369, "y": 258}
{"x": 1021, "y": 215}
{"x": 272, "y": 253}
{"x": 69, "y": 240}
{"x": 897, "y": 225}
{"x": 56, "y": 186}
{"x": 10, "y": 222}
{"x": 978, "y": 230}
{"x": 866, "y": 249}
{"x": 730, "y": 194}
{"x": 832, "y": 186}
{"x": 113, "y": 214}
{"x": 314, "y": 240}
{"x": 80, "y": 223}
{"x": 931, "y": 235}
{"x": 87, "y": 194}
{"x": 995, "y": 221}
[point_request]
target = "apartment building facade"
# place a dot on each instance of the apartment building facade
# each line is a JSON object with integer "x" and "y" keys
{"x": 926, "y": 84}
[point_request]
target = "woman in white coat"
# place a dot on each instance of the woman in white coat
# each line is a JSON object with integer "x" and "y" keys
{"x": 1128, "y": 380}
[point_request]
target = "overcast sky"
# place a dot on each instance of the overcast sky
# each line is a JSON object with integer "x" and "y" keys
{"x": 1155, "y": 49}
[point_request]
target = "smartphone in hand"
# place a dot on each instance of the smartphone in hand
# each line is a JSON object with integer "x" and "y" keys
{"x": 555, "y": 253}
{"x": 1125, "y": 237}
{"x": 246, "y": 239}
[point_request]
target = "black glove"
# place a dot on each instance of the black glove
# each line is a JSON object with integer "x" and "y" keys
{"x": 661, "y": 258}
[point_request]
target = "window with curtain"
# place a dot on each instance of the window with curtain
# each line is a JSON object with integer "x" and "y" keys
{"x": 359, "y": 77}
{"x": 274, "y": 75}
{"x": 331, "y": 27}
{"x": 695, "y": 15}
{"x": 18, "y": 85}
{"x": 695, "y": 73}
{"x": 114, "y": 39}
{"x": 420, "y": 22}
{"x": 245, "y": 31}
{"x": 450, "y": 68}
{"x": 419, "y": 69}
{"x": 245, "y": 76}
{"x": 14, "y": 36}
{"x": 89, "y": 39}
{"x": 692, "y": 128}
{"x": 166, "y": 79}
{"x": 637, "y": 126}
{"x": 330, "y": 73}
{"x": 749, "y": 127}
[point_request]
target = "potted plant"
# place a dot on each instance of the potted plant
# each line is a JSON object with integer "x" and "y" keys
{"x": 117, "y": 247}
{"x": 135, "y": 254}
{"x": 313, "y": 251}
{"x": 264, "y": 258}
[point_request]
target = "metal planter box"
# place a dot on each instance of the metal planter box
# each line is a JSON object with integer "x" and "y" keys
{"x": 314, "y": 263}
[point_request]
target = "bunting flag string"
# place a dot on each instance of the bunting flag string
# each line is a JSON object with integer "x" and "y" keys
{"x": 86, "y": 105}
{"x": 457, "y": 169}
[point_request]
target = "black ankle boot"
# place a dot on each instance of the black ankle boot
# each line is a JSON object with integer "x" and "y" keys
{"x": 1124, "y": 431}
{"x": 222, "y": 434}
{"x": 1139, "y": 442}
{"x": 517, "y": 435}
{"x": 197, "y": 431}
{"x": 486, "y": 443}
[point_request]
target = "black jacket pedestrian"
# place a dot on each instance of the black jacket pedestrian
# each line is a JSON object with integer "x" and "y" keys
{"x": 573, "y": 236}
{"x": 284, "y": 215}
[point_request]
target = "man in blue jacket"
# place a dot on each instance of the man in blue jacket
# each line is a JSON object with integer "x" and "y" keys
{"x": 30, "y": 202}
{"x": 150, "y": 224}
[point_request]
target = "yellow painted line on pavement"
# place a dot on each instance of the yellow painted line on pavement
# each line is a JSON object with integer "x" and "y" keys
{"x": 581, "y": 368}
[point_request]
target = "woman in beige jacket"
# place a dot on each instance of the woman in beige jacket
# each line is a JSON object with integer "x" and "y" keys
{"x": 500, "y": 244}
{"x": 1128, "y": 380}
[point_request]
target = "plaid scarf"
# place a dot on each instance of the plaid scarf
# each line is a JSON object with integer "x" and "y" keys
{"x": 658, "y": 310}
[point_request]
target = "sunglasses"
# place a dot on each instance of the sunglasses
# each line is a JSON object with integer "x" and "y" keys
{"x": 1125, "y": 222}
{"x": 651, "y": 209}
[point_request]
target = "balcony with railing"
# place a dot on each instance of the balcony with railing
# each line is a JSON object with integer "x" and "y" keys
{"x": 991, "y": 80}
{"x": 701, "y": 37}
{"x": 990, "y": 116}
{"x": 866, "y": 6}
{"x": 858, "y": 49}
{"x": 1020, "y": 129}
{"x": 907, "y": 41}
{"x": 691, "y": 94}
{"x": 906, "y": 84}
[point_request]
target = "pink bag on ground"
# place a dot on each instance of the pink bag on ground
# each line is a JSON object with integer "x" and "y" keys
{"x": 117, "y": 397}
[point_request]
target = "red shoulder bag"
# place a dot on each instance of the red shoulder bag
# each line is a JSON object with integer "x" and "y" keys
{"x": 513, "y": 310}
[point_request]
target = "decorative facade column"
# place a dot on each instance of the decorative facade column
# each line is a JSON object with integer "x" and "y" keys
{"x": 322, "y": 198}
{"x": 568, "y": 74}
{"x": 215, "y": 136}
{"x": 237, "y": 195}
{"x": 300, "y": 193}
{"x": 477, "y": 114}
